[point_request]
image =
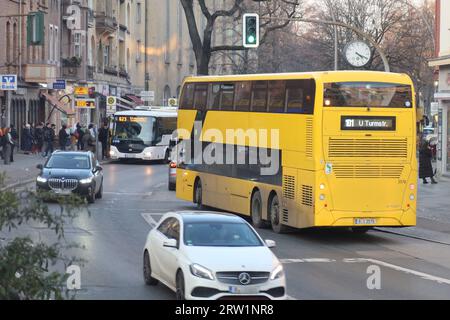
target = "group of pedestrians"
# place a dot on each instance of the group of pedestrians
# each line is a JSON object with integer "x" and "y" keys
{"x": 8, "y": 141}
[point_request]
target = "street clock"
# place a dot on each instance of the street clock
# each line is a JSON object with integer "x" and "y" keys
{"x": 357, "y": 53}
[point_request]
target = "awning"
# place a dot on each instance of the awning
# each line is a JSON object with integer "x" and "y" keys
{"x": 440, "y": 61}
{"x": 123, "y": 106}
{"x": 138, "y": 101}
{"x": 442, "y": 95}
{"x": 64, "y": 108}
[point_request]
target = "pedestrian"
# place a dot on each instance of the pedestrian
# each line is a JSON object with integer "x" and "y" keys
{"x": 425, "y": 166}
{"x": 39, "y": 137}
{"x": 63, "y": 138}
{"x": 79, "y": 135}
{"x": 49, "y": 137}
{"x": 2, "y": 142}
{"x": 88, "y": 141}
{"x": 15, "y": 138}
{"x": 103, "y": 137}
{"x": 27, "y": 139}
{"x": 7, "y": 146}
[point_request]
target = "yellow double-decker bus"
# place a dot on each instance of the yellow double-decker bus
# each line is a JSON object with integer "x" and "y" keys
{"x": 321, "y": 149}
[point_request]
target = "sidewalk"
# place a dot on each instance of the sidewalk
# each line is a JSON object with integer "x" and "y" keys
{"x": 23, "y": 170}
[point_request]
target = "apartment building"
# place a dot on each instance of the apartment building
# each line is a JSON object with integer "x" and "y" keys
{"x": 442, "y": 63}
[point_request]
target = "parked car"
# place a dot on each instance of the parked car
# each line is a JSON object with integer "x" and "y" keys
{"x": 210, "y": 255}
{"x": 67, "y": 172}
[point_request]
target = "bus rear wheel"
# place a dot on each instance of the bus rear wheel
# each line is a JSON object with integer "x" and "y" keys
{"x": 256, "y": 210}
{"x": 275, "y": 216}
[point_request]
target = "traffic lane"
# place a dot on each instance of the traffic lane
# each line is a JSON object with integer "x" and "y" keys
{"x": 320, "y": 264}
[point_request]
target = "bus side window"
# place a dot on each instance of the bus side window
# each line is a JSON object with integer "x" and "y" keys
{"x": 200, "y": 96}
{"x": 226, "y": 96}
{"x": 300, "y": 96}
{"x": 187, "y": 96}
{"x": 259, "y": 96}
{"x": 214, "y": 98}
{"x": 243, "y": 95}
{"x": 277, "y": 92}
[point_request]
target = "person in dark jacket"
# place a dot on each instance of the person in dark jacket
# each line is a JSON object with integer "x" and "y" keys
{"x": 39, "y": 137}
{"x": 63, "y": 137}
{"x": 27, "y": 139}
{"x": 8, "y": 143}
{"x": 425, "y": 166}
{"x": 15, "y": 138}
{"x": 79, "y": 135}
{"x": 49, "y": 137}
{"x": 103, "y": 137}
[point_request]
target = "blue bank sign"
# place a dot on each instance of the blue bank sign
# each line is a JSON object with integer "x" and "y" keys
{"x": 59, "y": 85}
{"x": 9, "y": 82}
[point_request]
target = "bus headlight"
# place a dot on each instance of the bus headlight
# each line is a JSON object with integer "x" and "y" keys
{"x": 411, "y": 186}
{"x": 322, "y": 186}
{"x": 112, "y": 153}
{"x": 322, "y": 197}
{"x": 411, "y": 197}
{"x": 147, "y": 154}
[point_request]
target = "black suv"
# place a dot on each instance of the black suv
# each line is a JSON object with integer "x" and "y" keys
{"x": 67, "y": 172}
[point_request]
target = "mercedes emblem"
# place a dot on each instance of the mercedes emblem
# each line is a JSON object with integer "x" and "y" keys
{"x": 244, "y": 278}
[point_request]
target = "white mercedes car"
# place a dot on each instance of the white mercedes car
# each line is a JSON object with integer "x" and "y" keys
{"x": 209, "y": 255}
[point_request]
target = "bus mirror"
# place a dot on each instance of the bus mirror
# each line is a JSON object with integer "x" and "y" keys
{"x": 172, "y": 143}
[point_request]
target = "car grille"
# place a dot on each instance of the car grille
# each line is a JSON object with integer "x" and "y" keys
{"x": 233, "y": 277}
{"x": 60, "y": 184}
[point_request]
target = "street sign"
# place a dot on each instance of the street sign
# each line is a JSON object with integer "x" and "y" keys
{"x": 59, "y": 85}
{"x": 85, "y": 103}
{"x": 81, "y": 91}
{"x": 173, "y": 102}
{"x": 147, "y": 96}
{"x": 111, "y": 105}
{"x": 9, "y": 82}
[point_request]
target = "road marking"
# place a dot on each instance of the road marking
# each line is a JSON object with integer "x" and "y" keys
{"x": 422, "y": 275}
{"x": 311, "y": 260}
{"x": 149, "y": 219}
{"x": 290, "y": 297}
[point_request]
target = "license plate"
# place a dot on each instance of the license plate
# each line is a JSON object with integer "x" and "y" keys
{"x": 62, "y": 191}
{"x": 127, "y": 155}
{"x": 242, "y": 290}
{"x": 365, "y": 221}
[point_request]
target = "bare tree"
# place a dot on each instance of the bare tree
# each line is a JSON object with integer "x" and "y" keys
{"x": 203, "y": 45}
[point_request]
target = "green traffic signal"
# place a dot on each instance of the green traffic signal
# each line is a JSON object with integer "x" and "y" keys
{"x": 251, "y": 28}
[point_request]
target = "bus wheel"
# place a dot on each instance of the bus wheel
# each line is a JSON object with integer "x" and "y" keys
{"x": 198, "y": 194}
{"x": 275, "y": 216}
{"x": 256, "y": 210}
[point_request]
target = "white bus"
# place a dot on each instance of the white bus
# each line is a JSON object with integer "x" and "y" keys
{"x": 143, "y": 133}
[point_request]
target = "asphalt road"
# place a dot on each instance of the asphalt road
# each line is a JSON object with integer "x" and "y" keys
{"x": 320, "y": 264}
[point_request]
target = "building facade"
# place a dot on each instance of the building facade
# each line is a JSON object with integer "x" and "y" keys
{"x": 442, "y": 63}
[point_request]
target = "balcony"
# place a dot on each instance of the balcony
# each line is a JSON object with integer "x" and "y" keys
{"x": 123, "y": 72}
{"x": 110, "y": 70}
{"x": 105, "y": 23}
{"x": 40, "y": 73}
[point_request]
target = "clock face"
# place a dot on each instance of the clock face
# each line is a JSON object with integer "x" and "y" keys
{"x": 357, "y": 53}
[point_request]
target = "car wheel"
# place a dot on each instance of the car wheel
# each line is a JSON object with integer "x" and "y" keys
{"x": 275, "y": 216}
{"x": 180, "y": 286}
{"x": 147, "y": 269}
{"x": 99, "y": 194}
{"x": 91, "y": 196}
{"x": 256, "y": 210}
{"x": 198, "y": 194}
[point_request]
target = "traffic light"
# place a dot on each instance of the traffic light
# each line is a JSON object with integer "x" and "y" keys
{"x": 251, "y": 30}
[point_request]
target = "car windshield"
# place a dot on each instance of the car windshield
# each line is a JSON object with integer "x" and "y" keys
{"x": 220, "y": 234}
{"x": 367, "y": 94}
{"x": 68, "y": 161}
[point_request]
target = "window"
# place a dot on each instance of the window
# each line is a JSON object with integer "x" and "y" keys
{"x": 77, "y": 45}
{"x": 277, "y": 92}
{"x": 259, "y": 96}
{"x": 227, "y": 96}
{"x": 51, "y": 44}
{"x": 243, "y": 95}
{"x": 138, "y": 51}
{"x": 56, "y": 45}
{"x": 200, "y": 96}
{"x": 138, "y": 12}
{"x": 214, "y": 101}
{"x": 164, "y": 226}
{"x": 300, "y": 96}
{"x": 173, "y": 232}
{"x": 106, "y": 51}
{"x": 187, "y": 96}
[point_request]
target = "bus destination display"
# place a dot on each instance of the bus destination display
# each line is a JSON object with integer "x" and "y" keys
{"x": 368, "y": 123}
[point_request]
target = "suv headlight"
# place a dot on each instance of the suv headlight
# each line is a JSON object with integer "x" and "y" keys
{"x": 41, "y": 179}
{"x": 278, "y": 272}
{"x": 86, "y": 181}
{"x": 201, "y": 272}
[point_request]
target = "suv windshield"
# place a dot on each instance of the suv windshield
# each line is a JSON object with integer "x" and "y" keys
{"x": 68, "y": 161}
{"x": 220, "y": 234}
{"x": 367, "y": 94}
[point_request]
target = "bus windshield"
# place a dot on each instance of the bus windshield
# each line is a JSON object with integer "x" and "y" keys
{"x": 367, "y": 94}
{"x": 135, "y": 129}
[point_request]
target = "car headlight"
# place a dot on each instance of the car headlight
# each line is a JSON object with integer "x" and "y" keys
{"x": 41, "y": 179}
{"x": 201, "y": 272}
{"x": 278, "y": 272}
{"x": 86, "y": 181}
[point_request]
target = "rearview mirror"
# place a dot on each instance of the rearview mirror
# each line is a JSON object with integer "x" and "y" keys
{"x": 40, "y": 166}
{"x": 171, "y": 243}
{"x": 98, "y": 168}
{"x": 271, "y": 243}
